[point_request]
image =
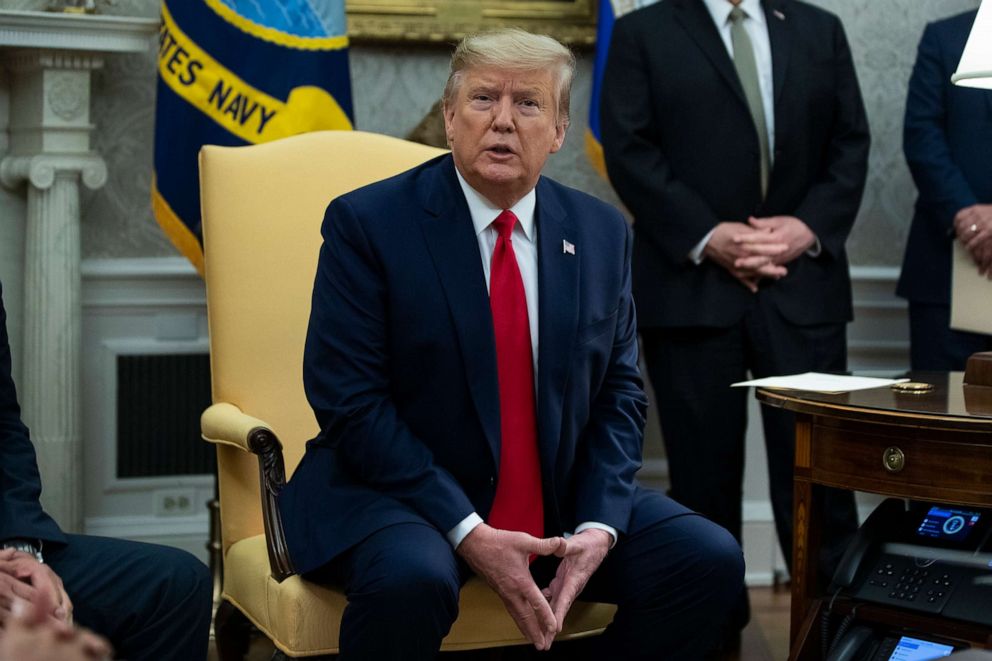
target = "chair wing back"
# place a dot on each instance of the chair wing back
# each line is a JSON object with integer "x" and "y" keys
{"x": 262, "y": 207}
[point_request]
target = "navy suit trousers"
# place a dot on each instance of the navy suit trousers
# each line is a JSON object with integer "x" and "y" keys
{"x": 152, "y": 602}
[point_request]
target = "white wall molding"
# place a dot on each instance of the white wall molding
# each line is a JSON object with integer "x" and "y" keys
{"x": 87, "y": 32}
{"x": 163, "y": 282}
{"x": 146, "y": 526}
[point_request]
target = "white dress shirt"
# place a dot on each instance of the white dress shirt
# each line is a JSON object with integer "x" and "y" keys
{"x": 524, "y": 240}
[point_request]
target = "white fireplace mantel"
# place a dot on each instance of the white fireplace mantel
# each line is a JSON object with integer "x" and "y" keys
{"x": 86, "y": 32}
{"x": 46, "y": 63}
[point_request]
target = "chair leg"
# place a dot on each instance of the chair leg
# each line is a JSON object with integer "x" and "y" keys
{"x": 232, "y": 631}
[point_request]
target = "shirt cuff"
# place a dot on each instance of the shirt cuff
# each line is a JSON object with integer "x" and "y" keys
{"x": 598, "y": 526}
{"x": 464, "y": 527}
{"x": 696, "y": 254}
{"x": 815, "y": 249}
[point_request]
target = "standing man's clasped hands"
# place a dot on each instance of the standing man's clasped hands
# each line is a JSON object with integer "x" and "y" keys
{"x": 760, "y": 248}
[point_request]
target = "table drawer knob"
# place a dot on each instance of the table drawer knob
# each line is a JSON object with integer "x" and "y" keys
{"x": 893, "y": 459}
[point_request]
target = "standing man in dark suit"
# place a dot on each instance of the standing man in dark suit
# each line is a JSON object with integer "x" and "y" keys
{"x": 735, "y": 133}
{"x": 152, "y": 602}
{"x": 947, "y": 139}
{"x": 472, "y": 362}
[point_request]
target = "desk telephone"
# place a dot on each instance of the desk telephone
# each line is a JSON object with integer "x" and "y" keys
{"x": 935, "y": 559}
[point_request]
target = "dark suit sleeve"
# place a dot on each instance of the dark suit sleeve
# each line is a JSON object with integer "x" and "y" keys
{"x": 21, "y": 514}
{"x": 346, "y": 376}
{"x": 612, "y": 441}
{"x": 638, "y": 168}
{"x": 941, "y": 184}
{"x": 831, "y": 203}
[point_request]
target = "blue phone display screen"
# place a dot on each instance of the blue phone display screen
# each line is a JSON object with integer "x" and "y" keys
{"x": 948, "y": 524}
{"x": 914, "y": 649}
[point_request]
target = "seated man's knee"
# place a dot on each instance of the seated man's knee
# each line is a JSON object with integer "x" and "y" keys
{"x": 721, "y": 562}
{"x": 418, "y": 583}
{"x": 183, "y": 583}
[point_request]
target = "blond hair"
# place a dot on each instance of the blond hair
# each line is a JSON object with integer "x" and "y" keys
{"x": 515, "y": 50}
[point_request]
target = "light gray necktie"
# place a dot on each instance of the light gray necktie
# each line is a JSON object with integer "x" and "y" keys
{"x": 747, "y": 72}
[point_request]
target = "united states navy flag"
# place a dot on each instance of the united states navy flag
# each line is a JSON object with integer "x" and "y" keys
{"x": 609, "y": 11}
{"x": 235, "y": 72}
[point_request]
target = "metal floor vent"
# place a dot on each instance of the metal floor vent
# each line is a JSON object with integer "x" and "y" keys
{"x": 159, "y": 401}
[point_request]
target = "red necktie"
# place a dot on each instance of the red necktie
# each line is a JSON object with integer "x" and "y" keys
{"x": 519, "y": 503}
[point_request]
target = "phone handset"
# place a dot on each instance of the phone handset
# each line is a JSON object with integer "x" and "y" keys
{"x": 851, "y": 645}
{"x": 879, "y": 525}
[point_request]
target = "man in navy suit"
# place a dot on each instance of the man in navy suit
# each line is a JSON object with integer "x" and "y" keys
{"x": 947, "y": 139}
{"x": 472, "y": 362}
{"x": 152, "y": 602}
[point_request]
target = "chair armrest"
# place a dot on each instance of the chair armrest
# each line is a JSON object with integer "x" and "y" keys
{"x": 225, "y": 424}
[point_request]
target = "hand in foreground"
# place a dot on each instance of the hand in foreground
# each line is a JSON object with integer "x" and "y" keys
{"x": 49, "y": 595}
{"x": 581, "y": 556}
{"x": 501, "y": 558}
{"x": 30, "y": 634}
{"x": 785, "y": 230}
{"x": 746, "y": 253}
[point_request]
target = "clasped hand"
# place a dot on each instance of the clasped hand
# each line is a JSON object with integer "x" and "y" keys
{"x": 23, "y": 577}
{"x": 760, "y": 248}
{"x": 973, "y": 228}
{"x": 502, "y": 559}
{"x": 36, "y": 615}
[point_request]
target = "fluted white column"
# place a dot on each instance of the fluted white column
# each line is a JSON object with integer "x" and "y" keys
{"x": 47, "y": 60}
{"x": 50, "y": 358}
{"x": 50, "y": 156}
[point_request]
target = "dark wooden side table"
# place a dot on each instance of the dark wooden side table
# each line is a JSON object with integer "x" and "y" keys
{"x": 935, "y": 446}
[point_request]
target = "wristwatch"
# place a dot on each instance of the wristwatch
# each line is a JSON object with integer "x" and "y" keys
{"x": 25, "y": 546}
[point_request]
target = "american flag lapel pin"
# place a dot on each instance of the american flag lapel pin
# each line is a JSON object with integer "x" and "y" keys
{"x": 567, "y": 247}
{"x": 778, "y": 14}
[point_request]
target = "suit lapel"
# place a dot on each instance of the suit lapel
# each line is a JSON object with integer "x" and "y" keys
{"x": 558, "y": 285}
{"x": 698, "y": 23}
{"x": 780, "y": 39}
{"x": 454, "y": 248}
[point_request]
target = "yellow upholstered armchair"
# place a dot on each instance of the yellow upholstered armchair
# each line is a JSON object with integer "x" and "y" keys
{"x": 262, "y": 210}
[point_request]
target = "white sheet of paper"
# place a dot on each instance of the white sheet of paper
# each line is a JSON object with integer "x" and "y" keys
{"x": 971, "y": 294}
{"x": 818, "y": 382}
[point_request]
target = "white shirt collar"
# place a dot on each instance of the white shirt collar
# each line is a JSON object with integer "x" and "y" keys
{"x": 720, "y": 10}
{"x": 484, "y": 212}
